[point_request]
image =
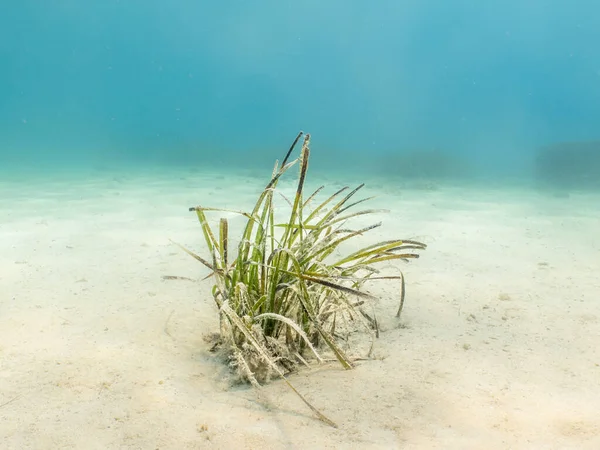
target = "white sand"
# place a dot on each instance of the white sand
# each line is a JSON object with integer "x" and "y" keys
{"x": 498, "y": 346}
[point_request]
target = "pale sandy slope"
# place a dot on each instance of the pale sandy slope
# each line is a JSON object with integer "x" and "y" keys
{"x": 498, "y": 347}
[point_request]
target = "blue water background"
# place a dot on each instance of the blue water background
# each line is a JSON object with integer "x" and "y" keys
{"x": 230, "y": 83}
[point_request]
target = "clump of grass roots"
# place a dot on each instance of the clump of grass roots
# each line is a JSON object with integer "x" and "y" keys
{"x": 286, "y": 296}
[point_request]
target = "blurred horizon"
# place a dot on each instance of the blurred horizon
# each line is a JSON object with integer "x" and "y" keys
{"x": 185, "y": 82}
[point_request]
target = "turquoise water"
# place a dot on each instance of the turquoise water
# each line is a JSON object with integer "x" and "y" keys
{"x": 131, "y": 83}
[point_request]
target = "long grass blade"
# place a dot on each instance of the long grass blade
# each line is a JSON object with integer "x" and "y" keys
{"x": 402, "y": 293}
{"x": 195, "y": 256}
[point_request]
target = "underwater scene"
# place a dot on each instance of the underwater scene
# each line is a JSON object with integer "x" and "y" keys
{"x": 299, "y": 225}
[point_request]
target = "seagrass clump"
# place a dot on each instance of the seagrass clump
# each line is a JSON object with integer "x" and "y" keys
{"x": 286, "y": 297}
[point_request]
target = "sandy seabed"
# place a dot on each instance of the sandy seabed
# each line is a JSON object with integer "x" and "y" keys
{"x": 498, "y": 346}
